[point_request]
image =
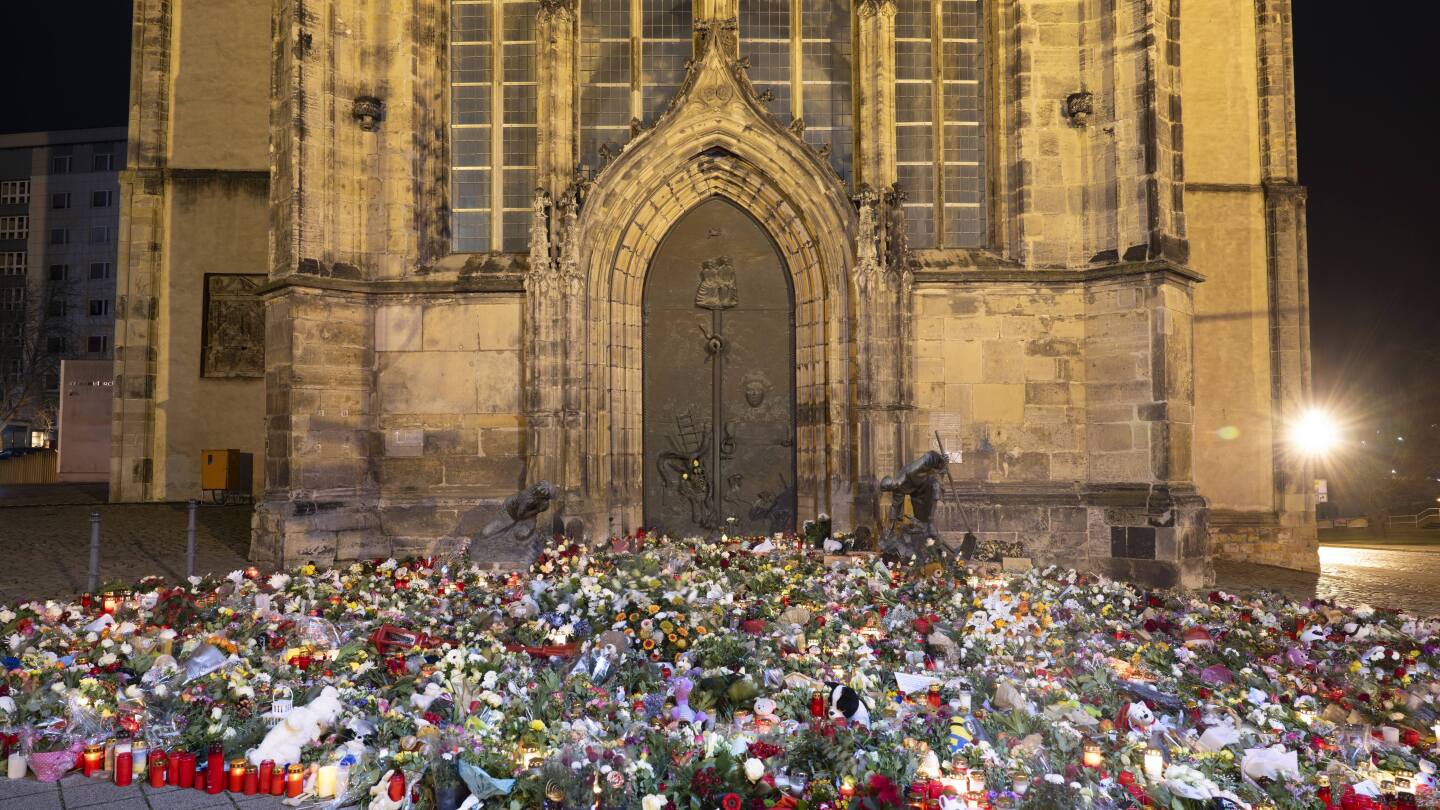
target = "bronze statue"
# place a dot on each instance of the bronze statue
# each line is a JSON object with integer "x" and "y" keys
{"x": 916, "y": 538}
{"x": 515, "y": 527}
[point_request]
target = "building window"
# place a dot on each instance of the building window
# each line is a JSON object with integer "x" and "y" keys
{"x": 56, "y": 308}
{"x": 60, "y": 164}
{"x": 14, "y": 192}
{"x": 624, "y": 47}
{"x": 55, "y": 344}
{"x": 800, "y": 51}
{"x": 103, "y": 159}
{"x": 939, "y": 138}
{"x": 60, "y": 200}
{"x": 15, "y": 227}
{"x": 12, "y": 298}
{"x": 492, "y": 73}
{"x": 59, "y": 236}
{"x": 102, "y": 199}
{"x": 98, "y": 344}
{"x": 100, "y": 235}
{"x": 99, "y": 270}
{"x": 13, "y": 263}
{"x": 99, "y": 307}
{"x": 59, "y": 272}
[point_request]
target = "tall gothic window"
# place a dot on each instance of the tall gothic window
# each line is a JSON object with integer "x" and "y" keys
{"x": 800, "y": 51}
{"x": 632, "y": 60}
{"x": 939, "y": 141}
{"x": 492, "y": 87}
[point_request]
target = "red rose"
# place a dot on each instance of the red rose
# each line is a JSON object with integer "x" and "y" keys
{"x": 731, "y": 801}
{"x": 883, "y": 789}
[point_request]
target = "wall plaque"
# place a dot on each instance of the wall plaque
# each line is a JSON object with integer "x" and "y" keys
{"x": 233, "y": 338}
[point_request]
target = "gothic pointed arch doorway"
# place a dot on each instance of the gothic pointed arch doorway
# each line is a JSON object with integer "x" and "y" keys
{"x": 718, "y": 370}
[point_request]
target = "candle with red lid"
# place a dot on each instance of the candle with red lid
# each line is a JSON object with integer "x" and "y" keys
{"x": 123, "y": 768}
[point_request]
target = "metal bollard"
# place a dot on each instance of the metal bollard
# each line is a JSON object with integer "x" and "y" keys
{"x": 94, "y": 580}
{"x": 190, "y": 540}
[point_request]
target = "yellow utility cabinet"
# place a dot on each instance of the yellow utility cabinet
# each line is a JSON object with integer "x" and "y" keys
{"x": 226, "y": 475}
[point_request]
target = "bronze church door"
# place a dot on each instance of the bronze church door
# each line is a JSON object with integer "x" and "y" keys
{"x": 719, "y": 368}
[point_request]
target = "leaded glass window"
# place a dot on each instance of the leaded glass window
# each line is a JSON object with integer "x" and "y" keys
{"x": 800, "y": 52}
{"x": 632, "y": 61}
{"x": 492, "y": 87}
{"x": 939, "y": 138}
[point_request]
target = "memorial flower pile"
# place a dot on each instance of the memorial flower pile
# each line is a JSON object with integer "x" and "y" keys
{"x": 679, "y": 675}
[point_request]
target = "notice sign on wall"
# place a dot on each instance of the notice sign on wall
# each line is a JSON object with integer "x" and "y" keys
{"x": 948, "y": 428}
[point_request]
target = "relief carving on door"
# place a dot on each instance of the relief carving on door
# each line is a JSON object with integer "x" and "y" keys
{"x": 719, "y": 358}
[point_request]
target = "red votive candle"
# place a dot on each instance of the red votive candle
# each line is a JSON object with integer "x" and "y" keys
{"x": 124, "y": 764}
{"x": 214, "y": 778}
{"x": 277, "y": 781}
{"x": 200, "y": 773}
{"x": 184, "y": 769}
{"x": 264, "y": 778}
{"x": 252, "y": 780}
{"x": 294, "y": 780}
{"x": 397, "y": 786}
{"x": 158, "y": 768}
{"x": 237, "y": 775}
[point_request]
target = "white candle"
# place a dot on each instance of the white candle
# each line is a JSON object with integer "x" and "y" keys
{"x": 325, "y": 781}
{"x": 18, "y": 765}
{"x": 1154, "y": 764}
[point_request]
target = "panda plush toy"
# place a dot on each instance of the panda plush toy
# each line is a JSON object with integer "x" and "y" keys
{"x": 846, "y": 703}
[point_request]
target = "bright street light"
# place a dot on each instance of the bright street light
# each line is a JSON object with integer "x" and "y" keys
{"x": 1314, "y": 433}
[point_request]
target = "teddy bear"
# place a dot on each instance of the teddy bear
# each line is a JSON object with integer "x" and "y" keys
{"x": 302, "y": 726}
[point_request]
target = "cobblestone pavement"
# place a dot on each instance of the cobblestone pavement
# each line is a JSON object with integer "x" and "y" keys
{"x": 45, "y": 548}
{"x": 76, "y": 791}
{"x": 1404, "y": 579}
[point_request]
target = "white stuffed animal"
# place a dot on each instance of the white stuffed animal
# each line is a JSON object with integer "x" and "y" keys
{"x": 302, "y": 726}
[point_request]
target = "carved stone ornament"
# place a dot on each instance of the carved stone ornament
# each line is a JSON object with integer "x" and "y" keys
{"x": 717, "y": 285}
{"x": 368, "y": 111}
{"x": 561, "y": 9}
{"x": 1079, "y": 107}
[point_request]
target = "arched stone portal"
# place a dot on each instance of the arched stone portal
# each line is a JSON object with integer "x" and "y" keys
{"x": 718, "y": 371}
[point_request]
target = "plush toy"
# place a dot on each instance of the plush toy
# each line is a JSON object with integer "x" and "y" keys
{"x": 1135, "y": 717}
{"x": 682, "y": 711}
{"x": 846, "y": 702}
{"x": 960, "y": 734}
{"x": 302, "y": 726}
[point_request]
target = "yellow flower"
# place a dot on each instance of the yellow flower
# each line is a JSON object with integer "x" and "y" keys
{"x": 667, "y": 626}
{"x": 700, "y": 630}
{"x": 648, "y": 644}
{"x": 681, "y": 643}
{"x": 537, "y": 725}
{"x": 653, "y": 609}
{"x": 671, "y": 637}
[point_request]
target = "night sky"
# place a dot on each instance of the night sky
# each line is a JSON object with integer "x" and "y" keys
{"x": 1365, "y": 82}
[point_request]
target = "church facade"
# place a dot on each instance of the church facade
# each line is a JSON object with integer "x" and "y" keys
{"x": 722, "y": 265}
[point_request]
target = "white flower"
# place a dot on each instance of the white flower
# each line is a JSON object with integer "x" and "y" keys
{"x": 654, "y": 801}
{"x": 106, "y": 660}
{"x": 279, "y": 581}
{"x": 1054, "y": 779}
{"x": 754, "y": 769}
{"x": 6, "y": 616}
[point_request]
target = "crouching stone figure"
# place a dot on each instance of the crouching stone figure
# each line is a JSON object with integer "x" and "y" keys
{"x": 514, "y": 528}
{"x": 906, "y": 537}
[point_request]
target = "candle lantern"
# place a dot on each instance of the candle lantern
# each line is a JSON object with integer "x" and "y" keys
{"x": 111, "y": 601}
{"x": 215, "y": 769}
{"x": 251, "y": 784}
{"x": 1154, "y": 764}
{"x": 123, "y": 769}
{"x": 976, "y": 780}
{"x": 184, "y": 769}
{"x": 389, "y": 637}
{"x": 817, "y": 704}
{"x": 263, "y": 778}
{"x": 294, "y": 780}
{"x": 974, "y": 800}
{"x": 932, "y": 696}
{"x": 277, "y": 781}
{"x": 1019, "y": 782}
{"x": 140, "y": 758}
{"x": 325, "y": 777}
{"x": 1092, "y": 758}
{"x": 158, "y": 765}
{"x": 397, "y": 786}
{"x": 109, "y": 765}
{"x": 237, "y": 775}
{"x": 967, "y": 700}
{"x": 94, "y": 759}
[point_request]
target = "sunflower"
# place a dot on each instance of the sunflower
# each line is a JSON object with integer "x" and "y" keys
{"x": 671, "y": 637}
{"x": 648, "y": 644}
